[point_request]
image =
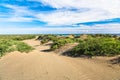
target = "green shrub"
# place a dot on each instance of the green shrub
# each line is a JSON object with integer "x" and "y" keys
{"x": 23, "y": 37}
{"x": 46, "y": 38}
{"x": 97, "y": 47}
{"x": 16, "y": 37}
{"x": 44, "y": 41}
{"x": 7, "y": 46}
{"x": 23, "y": 47}
{"x": 3, "y": 50}
{"x": 61, "y": 42}
{"x": 77, "y": 40}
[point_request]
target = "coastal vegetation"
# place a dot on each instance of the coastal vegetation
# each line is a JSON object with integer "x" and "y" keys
{"x": 97, "y": 47}
{"x": 89, "y": 45}
{"x": 17, "y": 37}
{"x": 9, "y": 43}
{"x": 61, "y": 42}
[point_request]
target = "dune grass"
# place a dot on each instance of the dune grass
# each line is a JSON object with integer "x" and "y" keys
{"x": 13, "y": 43}
{"x": 91, "y": 44}
{"x": 97, "y": 47}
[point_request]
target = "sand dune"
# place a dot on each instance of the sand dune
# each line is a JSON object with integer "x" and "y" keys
{"x": 42, "y": 65}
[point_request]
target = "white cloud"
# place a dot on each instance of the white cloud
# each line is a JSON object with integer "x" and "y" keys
{"x": 108, "y": 5}
{"x": 98, "y": 10}
{"x": 16, "y": 19}
{"x": 87, "y": 11}
{"x": 18, "y": 14}
{"x": 60, "y": 18}
{"x": 18, "y": 10}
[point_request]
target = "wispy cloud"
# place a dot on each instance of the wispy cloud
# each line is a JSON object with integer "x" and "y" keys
{"x": 107, "y": 5}
{"x": 60, "y": 18}
{"x": 97, "y": 10}
{"x": 76, "y": 15}
{"x": 18, "y": 14}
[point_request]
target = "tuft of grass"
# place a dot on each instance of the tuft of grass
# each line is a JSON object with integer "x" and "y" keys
{"x": 7, "y": 46}
{"x": 61, "y": 42}
{"x": 23, "y": 47}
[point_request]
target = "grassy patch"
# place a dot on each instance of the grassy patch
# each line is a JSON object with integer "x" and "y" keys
{"x": 12, "y": 43}
{"x": 61, "y": 42}
{"x": 22, "y": 47}
{"x": 97, "y": 47}
{"x": 16, "y": 37}
{"x": 89, "y": 44}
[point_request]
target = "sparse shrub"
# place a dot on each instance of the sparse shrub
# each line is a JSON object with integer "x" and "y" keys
{"x": 8, "y": 44}
{"x": 44, "y": 41}
{"x": 23, "y": 37}
{"x": 77, "y": 40}
{"x": 61, "y": 42}
{"x": 23, "y": 47}
{"x": 5, "y": 46}
{"x": 46, "y": 38}
{"x": 17, "y": 37}
{"x": 97, "y": 47}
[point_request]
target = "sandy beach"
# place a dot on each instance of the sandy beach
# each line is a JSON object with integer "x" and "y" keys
{"x": 43, "y": 65}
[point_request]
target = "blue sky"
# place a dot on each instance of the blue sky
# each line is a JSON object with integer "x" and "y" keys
{"x": 59, "y": 16}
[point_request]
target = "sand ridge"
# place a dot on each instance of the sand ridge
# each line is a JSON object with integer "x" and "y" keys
{"x": 43, "y": 65}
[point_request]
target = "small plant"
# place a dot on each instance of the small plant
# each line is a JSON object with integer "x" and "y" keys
{"x": 44, "y": 41}
{"x": 46, "y": 38}
{"x": 22, "y": 47}
{"x": 5, "y": 46}
{"x": 61, "y": 42}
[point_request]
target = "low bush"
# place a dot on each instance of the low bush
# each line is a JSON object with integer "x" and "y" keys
{"x": 78, "y": 40}
{"x": 61, "y": 42}
{"x": 46, "y": 38}
{"x": 97, "y": 47}
{"x": 16, "y": 37}
{"x": 7, "y": 46}
{"x": 23, "y": 37}
{"x": 23, "y": 47}
{"x": 43, "y": 41}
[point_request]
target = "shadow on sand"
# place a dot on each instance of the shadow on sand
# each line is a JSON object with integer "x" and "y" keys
{"x": 69, "y": 53}
{"x": 115, "y": 60}
{"x": 46, "y": 50}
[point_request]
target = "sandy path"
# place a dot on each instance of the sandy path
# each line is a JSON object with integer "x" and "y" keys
{"x": 41, "y": 65}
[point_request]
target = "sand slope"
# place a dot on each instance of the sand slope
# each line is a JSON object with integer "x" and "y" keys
{"x": 42, "y": 65}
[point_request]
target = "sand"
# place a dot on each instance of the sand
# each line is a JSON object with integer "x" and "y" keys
{"x": 43, "y": 65}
